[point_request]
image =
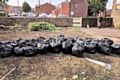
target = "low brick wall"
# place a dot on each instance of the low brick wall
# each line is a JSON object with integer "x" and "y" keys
{"x": 61, "y": 22}
{"x": 106, "y": 22}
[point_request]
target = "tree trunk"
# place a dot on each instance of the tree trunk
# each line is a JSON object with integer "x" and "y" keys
{"x": 5, "y": 8}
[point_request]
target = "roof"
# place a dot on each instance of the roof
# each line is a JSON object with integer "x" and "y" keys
{"x": 45, "y": 4}
{"x": 14, "y": 6}
{"x": 65, "y": 2}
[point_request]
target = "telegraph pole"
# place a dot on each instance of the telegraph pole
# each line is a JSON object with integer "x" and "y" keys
{"x": 18, "y": 7}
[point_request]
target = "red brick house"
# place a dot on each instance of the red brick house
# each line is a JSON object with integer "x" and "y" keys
{"x": 78, "y": 8}
{"x": 62, "y": 8}
{"x": 72, "y": 8}
{"x": 14, "y": 9}
{"x": 45, "y": 8}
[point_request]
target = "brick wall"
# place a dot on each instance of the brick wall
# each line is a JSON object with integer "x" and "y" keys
{"x": 62, "y": 10}
{"x": 79, "y": 7}
{"x": 45, "y": 8}
{"x": 14, "y": 9}
{"x": 106, "y": 22}
{"x": 61, "y": 22}
{"x": 115, "y": 14}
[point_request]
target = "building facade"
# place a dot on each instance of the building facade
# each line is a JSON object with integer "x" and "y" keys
{"x": 62, "y": 8}
{"x": 14, "y": 9}
{"x": 72, "y": 8}
{"x": 45, "y": 8}
{"x": 78, "y": 8}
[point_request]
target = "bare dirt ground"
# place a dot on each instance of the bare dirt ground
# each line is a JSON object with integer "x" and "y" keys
{"x": 111, "y": 33}
{"x": 57, "y": 66}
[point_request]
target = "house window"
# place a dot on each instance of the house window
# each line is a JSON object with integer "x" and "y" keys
{"x": 76, "y": 5}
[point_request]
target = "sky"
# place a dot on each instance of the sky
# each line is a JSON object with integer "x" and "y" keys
{"x": 54, "y": 2}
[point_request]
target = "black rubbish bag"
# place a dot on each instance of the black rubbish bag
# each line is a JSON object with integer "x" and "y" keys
{"x": 18, "y": 51}
{"x": 60, "y": 38}
{"x": 104, "y": 48}
{"x": 88, "y": 39}
{"x": 20, "y": 41}
{"x": 55, "y": 46}
{"x": 107, "y": 40}
{"x": 69, "y": 39}
{"x": 67, "y": 47}
{"x": 96, "y": 42}
{"x": 41, "y": 39}
{"x": 90, "y": 47}
{"x": 80, "y": 41}
{"x": 29, "y": 51}
{"x": 116, "y": 49}
{"x": 6, "y": 49}
{"x": 42, "y": 48}
{"x": 78, "y": 50}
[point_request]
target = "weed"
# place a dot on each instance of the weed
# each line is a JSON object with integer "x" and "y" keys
{"x": 50, "y": 71}
{"x": 118, "y": 26}
{"x": 17, "y": 25}
{"x": 64, "y": 78}
{"x": 37, "y": 26}
{"x": 101, "y": 77}
{"x": 76, "y": 28}
{"x": 59, "y": 54}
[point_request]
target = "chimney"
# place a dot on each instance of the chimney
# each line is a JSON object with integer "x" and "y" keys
{"x": 66, "y": 0}
{"x": 38, "y": 2}
{"x": 50, "y": 2}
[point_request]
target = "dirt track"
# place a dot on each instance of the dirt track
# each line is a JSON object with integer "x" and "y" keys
{"x": 111, "y": 33}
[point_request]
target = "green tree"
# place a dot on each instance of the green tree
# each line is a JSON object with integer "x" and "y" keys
{"x": 26, "y": 7}
{"x": 96, "y": 5}
{"x": 4, "y": 1}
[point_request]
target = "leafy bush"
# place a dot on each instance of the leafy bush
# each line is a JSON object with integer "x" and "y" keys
{"x": 37, "y": 26}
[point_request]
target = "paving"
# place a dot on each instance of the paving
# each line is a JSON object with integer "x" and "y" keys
{"x": 111, "y": 33}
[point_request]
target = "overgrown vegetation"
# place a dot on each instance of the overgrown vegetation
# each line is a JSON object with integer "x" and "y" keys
{"x": 38, "y": 26}
{"x": 17, "y": 25}
{"x": 95, "y": 6}
{"x": 118, "y": 26}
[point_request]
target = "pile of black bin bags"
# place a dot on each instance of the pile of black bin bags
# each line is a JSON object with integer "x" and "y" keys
{"x": 74, "y": 46}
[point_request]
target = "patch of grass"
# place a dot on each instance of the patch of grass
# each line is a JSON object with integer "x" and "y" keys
{"x": 76, "y": 18}
{"x": 91, "y": 17}
{"x": 76, "y": 28}
{"x": 2, "y": 13}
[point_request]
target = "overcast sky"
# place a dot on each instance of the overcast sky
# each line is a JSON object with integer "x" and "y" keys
{"x": 54, "y": 2}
